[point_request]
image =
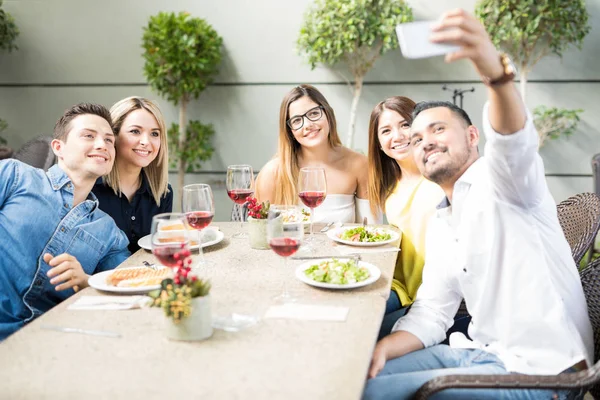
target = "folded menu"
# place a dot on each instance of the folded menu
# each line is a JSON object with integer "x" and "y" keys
{"x": 109, "y": 302}
{"x": 308, "y": 312}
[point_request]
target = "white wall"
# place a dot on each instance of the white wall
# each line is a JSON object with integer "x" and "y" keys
{"x": 83, "y": 50}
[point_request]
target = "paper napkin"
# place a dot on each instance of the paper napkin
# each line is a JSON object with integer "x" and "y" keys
{"x": 308, "y": 312}
{"x": 109, "y": 302}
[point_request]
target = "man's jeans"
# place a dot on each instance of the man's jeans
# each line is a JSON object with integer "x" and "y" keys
{"x": 403, "y": 376}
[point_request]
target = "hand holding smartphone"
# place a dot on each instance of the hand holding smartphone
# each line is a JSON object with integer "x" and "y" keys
{"x": 414, "y": 41}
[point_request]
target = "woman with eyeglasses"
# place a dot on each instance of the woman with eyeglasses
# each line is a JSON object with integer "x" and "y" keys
{"x": 408, "y": 200}
{"x": 137, "y": 188}
{"x": 308, "y": 137}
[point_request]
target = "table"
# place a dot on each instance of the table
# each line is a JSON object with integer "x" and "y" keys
{"x": 277, "y": 358}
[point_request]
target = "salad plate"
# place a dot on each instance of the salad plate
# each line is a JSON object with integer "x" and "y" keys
{"x": 333, "y": 273}
{"x": 363, "y": 236}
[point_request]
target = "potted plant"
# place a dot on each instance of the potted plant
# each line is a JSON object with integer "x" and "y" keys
{"x": 185, "y": 300}
{"x": 529, "y": 30}
{"x": 182, "y": 56}
{"x": 8, "y": 35}
{"x": 257, "y": 223}
{"x": 355, "y": 32}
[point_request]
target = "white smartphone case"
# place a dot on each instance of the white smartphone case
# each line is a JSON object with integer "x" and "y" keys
{"x": 414, "y": 41}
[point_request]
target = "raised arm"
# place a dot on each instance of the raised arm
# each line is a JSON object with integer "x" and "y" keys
{"x": 517, "y": 172}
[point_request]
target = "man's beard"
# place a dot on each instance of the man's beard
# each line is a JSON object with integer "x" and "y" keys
{"x": 447, "y": 172}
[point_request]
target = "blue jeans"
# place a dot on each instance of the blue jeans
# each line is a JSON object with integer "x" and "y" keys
{"x": 394, "y": 310}
{"x": 403, "y": 376}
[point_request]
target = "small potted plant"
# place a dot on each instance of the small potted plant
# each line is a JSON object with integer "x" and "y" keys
{"x": 257, "y": 223}
{"x": 185, "y": 299}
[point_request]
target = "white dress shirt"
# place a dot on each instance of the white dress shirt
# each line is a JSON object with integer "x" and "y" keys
{"x": 501, "y": 248}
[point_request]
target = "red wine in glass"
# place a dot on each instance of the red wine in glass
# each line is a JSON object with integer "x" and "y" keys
{"x": 312, "y": 199}
{"x": 283, "y": 246}
{"x": 166, "y": 254}
{"x": 199, "y": 219}
{"x": 240, "y": 196}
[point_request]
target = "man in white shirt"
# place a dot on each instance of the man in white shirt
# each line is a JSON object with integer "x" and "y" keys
{"x": 495, "y": 241}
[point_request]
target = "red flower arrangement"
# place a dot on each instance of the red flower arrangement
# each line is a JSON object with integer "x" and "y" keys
{"x": 258, "y": 211}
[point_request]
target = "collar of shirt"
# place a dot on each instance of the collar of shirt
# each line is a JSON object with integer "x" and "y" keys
{"x": 60, "y": 180}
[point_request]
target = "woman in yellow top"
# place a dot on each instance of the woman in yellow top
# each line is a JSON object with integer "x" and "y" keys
{"x": 408, "y": 199}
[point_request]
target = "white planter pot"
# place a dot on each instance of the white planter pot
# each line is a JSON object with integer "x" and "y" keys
{"x": 197, "y": 326}
{"x": 257, "y": 233}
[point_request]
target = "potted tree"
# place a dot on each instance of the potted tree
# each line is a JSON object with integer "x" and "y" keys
{"x": 529, "y": 30}
{"x": 353, "y": 32}
{"x": 8, "y": 35}
{"x": 182, "y": 55}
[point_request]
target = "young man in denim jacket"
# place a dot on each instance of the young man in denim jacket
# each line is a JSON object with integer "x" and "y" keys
{"x": 53, "y": 236}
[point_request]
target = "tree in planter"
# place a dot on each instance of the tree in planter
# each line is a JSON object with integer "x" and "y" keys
{"x": 8, "y": 35}
{"x": 182, "y": 56}
{"x": 355, "y": 32}
{"x": 529, "y": 30}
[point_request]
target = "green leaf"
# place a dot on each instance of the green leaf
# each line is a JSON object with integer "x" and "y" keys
{"x": 8, "y": 31}
{"x": 197, "y": 147}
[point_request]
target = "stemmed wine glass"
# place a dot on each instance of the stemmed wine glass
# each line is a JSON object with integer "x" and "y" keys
{"x": 170, "y": 239}
{"x": 240, "y": 186}
{"x": 284, "y": 240}
{"x": 199, "y": 208}
{"x": 312, "y": 191}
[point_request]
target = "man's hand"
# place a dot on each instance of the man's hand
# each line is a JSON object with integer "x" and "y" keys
{"x": 379, "y": 359}
{"x": 66, "y": 272}
{"x": 463, "y": 29}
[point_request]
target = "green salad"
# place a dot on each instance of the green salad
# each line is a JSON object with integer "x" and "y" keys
{"x": 362, "y": 234}
{"x": 337, "y": 272}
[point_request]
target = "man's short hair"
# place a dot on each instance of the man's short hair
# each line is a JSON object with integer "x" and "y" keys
{"x": 426, "y": 105}
{"x": 61, "y": 129}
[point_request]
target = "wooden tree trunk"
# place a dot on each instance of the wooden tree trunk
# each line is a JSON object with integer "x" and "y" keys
{"x": 523, "y": 82}
{"x": 182, "y": 143}
{"x": 358, "y": 84}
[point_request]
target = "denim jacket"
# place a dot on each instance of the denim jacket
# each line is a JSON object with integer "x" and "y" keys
{"x": 37, "y": 217}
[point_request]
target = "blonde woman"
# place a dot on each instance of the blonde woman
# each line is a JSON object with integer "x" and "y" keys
{"x": 136, "y": 189}
{"x": 308, "y": 137}
{"x": 408, "y": 200}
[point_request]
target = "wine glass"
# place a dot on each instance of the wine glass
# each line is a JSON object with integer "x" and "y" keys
{"x": 199, "y": 208}
{"x": 312, "y": 191}
{"x": 240, "y": 186}
{"x": 284, "y": 240}
{"x": 170, "y": 239}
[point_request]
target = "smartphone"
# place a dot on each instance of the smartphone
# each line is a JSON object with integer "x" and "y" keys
{"x": 414, "y": 40}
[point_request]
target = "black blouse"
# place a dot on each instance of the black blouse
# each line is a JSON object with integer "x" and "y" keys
{"x": 135, "y": 218}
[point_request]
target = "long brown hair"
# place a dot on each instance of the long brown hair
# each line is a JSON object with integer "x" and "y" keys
{"x": 157, "y": 172}
{"x": 286, "y": 177}
{"x": 384, "y": 172}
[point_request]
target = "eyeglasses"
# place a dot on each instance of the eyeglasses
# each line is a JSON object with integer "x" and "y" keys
{"x": 297, "y": 122}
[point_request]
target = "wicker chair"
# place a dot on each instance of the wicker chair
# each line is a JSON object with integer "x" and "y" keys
{"x": 236, "y": 215}
{"x": 596, "y": 174}
{"x": 37, "y": 153}
{"x": 584, "y": 380}
{"x": 579, "y": 217}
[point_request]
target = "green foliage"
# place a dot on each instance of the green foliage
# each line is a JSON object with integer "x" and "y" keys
{"x": 3, "y": 126}
{"x": 176, "y": 299}
{"x": 198, "y": 147}
{"x": 353, "y": 31}
{"x": 551, "y": 122}
{"x": 182, "y": 55}
{"x": 8, "y": 31}
{"x": 531, "y": 29}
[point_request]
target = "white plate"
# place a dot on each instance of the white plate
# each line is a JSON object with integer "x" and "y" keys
{"x": 373, "y": 270}
{"x": 334, "y": 234}
{"x": 209, "y": 238}
{"x": 98, "y": 281}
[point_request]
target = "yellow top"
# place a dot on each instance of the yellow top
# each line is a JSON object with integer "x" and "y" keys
{"x": 409, "y": 209}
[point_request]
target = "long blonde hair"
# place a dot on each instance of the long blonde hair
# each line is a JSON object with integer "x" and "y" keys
{"x": 157, "y": 172}
{"x": 286, "y": 177}
{"x": 384, "y": 172}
